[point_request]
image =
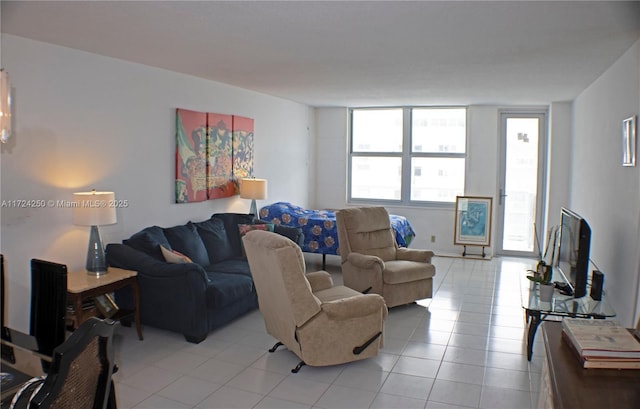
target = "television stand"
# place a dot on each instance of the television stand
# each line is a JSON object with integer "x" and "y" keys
{"x": 566, "y": 384}
{"x": 559, "y": 307}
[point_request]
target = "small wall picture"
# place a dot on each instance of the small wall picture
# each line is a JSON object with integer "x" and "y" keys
{"x": 106, "y": 305}
{"x": 473, "y": 221}
{"x": 629, "y": 141}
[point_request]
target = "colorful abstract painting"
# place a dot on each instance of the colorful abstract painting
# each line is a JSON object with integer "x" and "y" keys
{"x": 242, "y": 148}
{"x": 191, "y": 156}
{"x": 220, "y": 159}
{"x": 213, "y": 152}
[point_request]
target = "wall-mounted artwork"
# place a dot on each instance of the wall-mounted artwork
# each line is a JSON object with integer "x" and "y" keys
{"x": 220, "y": 157}
{"x": 629, "y": 141}
{"x": 242, "y": 148}
{"x": 213, "y": 152}
{"x": 191, "y": 156}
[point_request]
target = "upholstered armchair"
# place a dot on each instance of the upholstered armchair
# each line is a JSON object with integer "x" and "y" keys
{"x": 321, "y": 323}
{"x": 372, "y": 261}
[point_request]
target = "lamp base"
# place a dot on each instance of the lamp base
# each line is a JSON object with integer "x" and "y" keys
{"x": 96, "y": 258}
{"x": 254, "y": 209}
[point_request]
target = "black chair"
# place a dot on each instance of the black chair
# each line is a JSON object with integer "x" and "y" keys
{"x": 48, "y": 305}
{"x": 80, "y": 374}
{"x": 2, "y": 289}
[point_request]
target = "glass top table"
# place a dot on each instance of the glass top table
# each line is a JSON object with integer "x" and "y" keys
{"x": 560, "y": 306}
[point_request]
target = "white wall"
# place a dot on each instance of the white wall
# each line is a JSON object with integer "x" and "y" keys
{"x": 559, "y": 161}
{"x": 84, "y": 121}
{"x": 603, "y": 191}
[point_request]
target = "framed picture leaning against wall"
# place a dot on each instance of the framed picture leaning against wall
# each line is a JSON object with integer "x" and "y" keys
{"x": 473, "y": 221}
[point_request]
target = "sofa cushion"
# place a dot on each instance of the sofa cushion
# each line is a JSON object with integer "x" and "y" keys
{"x": 404, "y": 271}
{"x": 149, "y": 241}
{"x": 187, "y": 241}
{"x": 235, "y": 266}
{"x": 173, "y": 256}
{"x": 214, "y": 237}
{"x": 231, "y": 222}
{"x": 225, "y": 289}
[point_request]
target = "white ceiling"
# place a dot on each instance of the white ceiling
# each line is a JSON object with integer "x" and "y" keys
{"x": 353, "y": 53}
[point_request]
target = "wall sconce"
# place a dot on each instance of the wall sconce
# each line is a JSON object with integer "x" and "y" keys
{"x": 5, "y": 107}
{"x": 94, "y": 209}
{"x": 254, "y": 189}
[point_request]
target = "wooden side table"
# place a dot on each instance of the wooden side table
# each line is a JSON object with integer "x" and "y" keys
{"x": 82, "y": 286}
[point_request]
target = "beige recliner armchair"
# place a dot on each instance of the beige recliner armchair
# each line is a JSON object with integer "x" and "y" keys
{"x": 372, "y": 261}
{"x": 321, "y": 323}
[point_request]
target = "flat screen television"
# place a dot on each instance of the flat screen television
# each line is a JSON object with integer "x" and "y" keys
{"x": 573, "y": 251}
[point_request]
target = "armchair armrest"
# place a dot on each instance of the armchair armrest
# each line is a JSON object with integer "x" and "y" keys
{"x": 319, "y": 280}
{"x": 356, "y": 306}
{"x": 363, "y": 261}
{"x": 423, "y": 256}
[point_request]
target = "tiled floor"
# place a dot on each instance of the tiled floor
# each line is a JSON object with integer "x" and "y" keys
{"x": 463, "y": 348}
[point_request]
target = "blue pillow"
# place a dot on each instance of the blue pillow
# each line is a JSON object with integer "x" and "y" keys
{"x": 214, "y": 237}
{"x": 187, "y": 241}
{"x": 149, "y": 241}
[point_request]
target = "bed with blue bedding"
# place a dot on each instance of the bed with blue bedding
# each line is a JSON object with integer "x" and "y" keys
{"x": 319, "y": 226}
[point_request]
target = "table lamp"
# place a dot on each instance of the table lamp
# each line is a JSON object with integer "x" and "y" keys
{"x": 94, "y": 209}
{"x": 254, "y": 189}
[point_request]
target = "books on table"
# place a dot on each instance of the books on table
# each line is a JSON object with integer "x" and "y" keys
{"x": 602, "y": 343}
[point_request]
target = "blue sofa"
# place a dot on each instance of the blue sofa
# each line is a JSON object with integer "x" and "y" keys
{"x": 191, "y": 298}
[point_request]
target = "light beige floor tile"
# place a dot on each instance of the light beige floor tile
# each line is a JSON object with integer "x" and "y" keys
{"x": 456, "y": 393}
{"x": 228, "y": 397}
{"x": 434, "y": 357}
{"x": 407, "y": 385}
{"x": 189, "y": 390}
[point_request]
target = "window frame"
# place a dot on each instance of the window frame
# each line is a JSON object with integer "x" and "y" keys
{"x": 406, "y": 156}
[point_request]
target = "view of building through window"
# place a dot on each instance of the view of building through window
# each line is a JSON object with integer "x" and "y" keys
{"x": 521, "y": 184}
{"x": 431, "y": 148}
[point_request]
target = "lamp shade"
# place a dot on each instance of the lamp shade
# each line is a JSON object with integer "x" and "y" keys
{"x": 255, "y": 189}
{"x": 94, "y": 208}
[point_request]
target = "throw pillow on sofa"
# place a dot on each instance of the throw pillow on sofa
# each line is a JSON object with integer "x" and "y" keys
{"x": 292, "y": 233}
{"x": 172, "y": 256}
{"x": 231, "y": 222}
{"x": 215, "y": 240}
{"x": 246, "y": 228}
{"x": 187, "y": 241}
{"x": 149, "y": 241}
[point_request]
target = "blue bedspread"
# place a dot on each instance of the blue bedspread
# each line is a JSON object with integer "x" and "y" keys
{"x": 319, "y": 226}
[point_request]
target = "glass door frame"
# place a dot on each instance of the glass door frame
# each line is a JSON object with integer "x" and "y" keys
{"x": 542, "y": 115}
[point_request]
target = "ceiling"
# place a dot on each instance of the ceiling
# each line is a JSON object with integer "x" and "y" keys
{"x": 353, "y": 53}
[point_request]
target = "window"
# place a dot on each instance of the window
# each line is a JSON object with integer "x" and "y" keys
{"x": 407, "y": 155}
